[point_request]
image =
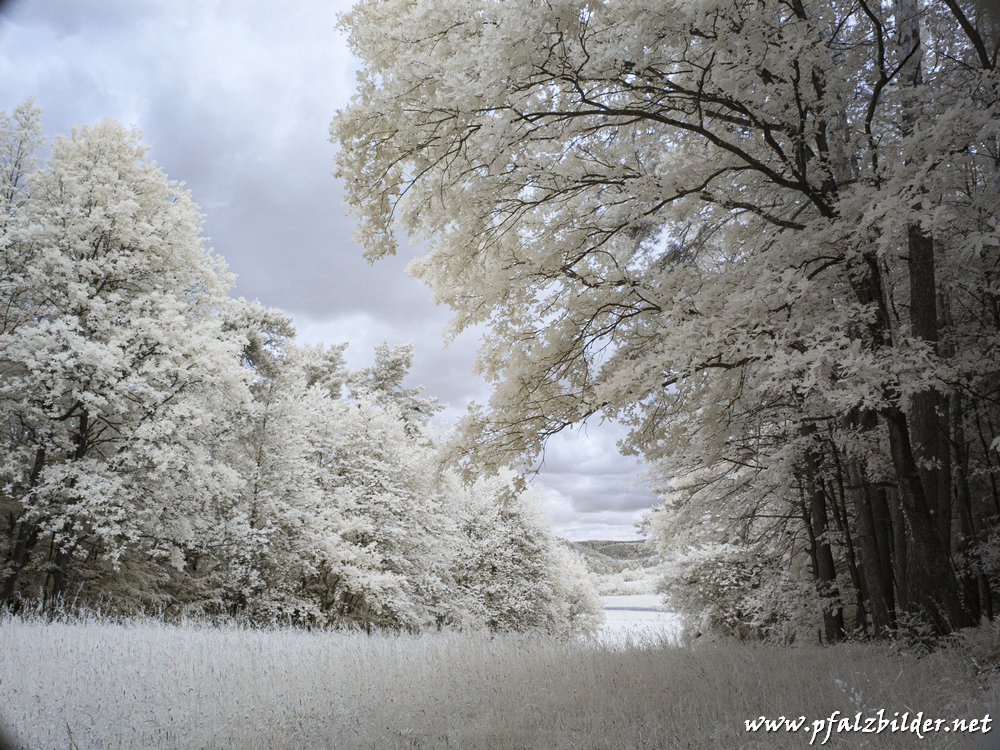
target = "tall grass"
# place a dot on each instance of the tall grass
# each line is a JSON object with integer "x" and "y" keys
{"x": 98, "y": 684}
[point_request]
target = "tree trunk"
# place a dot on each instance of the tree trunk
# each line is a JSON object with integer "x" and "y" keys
{"x": 874, "y": 540}
{"x": 838, "y": 497}
{"x": 25, "y": 539}
{"x": 984, "y": 443}
{"x": 977, "y": 586}
{"x": 825, "y": 570}
{"x": 60, "y": 573}
{"x": 928, "y": 412}
{"x": 933, "y": 585}
{"x": 900, "y": 552}
{"x": 928, "y": 433}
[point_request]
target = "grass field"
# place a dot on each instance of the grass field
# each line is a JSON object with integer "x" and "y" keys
{"x": 95, "y": 684}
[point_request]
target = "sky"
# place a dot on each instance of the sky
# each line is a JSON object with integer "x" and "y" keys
{"x": 235, "y": 99}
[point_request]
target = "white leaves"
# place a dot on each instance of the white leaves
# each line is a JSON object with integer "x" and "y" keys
{"x": 112, "y": 362}
{"x": 517, "y": 574}
{"x": 196, "y": 457}
{"x": 656, "y": 214}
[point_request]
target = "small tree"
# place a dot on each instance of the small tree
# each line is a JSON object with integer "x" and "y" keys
{"x": 517, "y": 575}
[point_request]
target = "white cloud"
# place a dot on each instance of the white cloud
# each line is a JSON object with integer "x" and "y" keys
{"x": 585, "y": 464}
{"x": 569, "y": 523}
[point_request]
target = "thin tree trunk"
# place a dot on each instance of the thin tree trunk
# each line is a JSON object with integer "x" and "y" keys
{"x": 825, "y": 570}
{"x": 963, "y": 501}
{"x": 901, "y": 552}
{"x": 995, "y": 491}
{"x": 839, "y": 499}
{"x": 25, "y": 539}
{"x": 60, "y": 573}
{"x": 874, "y": 552}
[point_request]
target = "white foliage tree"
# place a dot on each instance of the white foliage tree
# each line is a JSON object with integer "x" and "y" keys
{"x": 380, "y": 475}
{"x": 169, "y": 448}
{"x": 343, "y": 493}
{"x": 518, "y": 576}
{"x": 279, "y": 492}
{"x": 114, "y": 369}
{"x": 364, "y": 526}
{"x": 762, "y": 233}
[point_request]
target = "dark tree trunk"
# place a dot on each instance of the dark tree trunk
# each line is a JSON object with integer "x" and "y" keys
{"x": 934, "y": 588}
{"x": 990, "y": 471}
{"x": 977, "y": 586}
{"x": 926, "y": 582}
{"x": 25, "y": 539}
{"x": 901, "y": 552}
{"x": 60, "y": 572}
{"x": 929, "y": 411}
{"x": 825, "y": 570}
{"x": 874, "y": 541}
{"x": 838, "y": 498}
{"x": 920, "y": 447}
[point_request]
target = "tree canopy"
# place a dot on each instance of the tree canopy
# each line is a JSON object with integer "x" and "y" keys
{"x": 113, "y": 362}
{"x": 761, "y": 233}
{"x": 165, "y": 448}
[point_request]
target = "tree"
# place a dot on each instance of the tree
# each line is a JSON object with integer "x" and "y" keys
{"x": 115, "y": 373}
{"x": 379, "y": 483}
{"x": 344, "y": 495}
{"x": 383, "y": 383}
{"x": 761, "y": 233}
{"x": 517, "y": 575}
{"x": 278, "y": 491}
{"x": 359, "y": 521}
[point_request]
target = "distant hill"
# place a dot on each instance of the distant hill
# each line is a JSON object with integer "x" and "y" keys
{"x": 618, "y": 567}
{"x": 614, "y": 548}
{"x": 612, "y": 555}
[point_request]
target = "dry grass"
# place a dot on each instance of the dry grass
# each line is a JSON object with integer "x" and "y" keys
{"x": 151, "y": 685}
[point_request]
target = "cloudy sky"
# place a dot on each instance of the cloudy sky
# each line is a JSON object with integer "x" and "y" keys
{"x": 235, "y": 98}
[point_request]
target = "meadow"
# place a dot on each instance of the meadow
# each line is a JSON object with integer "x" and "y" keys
{"x": 94, "y": 683}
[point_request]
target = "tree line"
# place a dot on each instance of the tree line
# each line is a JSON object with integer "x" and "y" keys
{"x": 168, "y": 449}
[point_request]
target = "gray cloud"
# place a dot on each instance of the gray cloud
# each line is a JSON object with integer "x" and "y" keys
{"x": 94, "y": 16}
{"x": 235, "y": 98}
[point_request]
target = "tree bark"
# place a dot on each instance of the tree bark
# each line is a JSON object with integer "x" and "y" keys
{"x": 900, "y": 552}
{"x": 977, "y": 585}
{"x": 928, "y": 433}
{"x": 933, "y": 585}
{"x": 874, "y": 541}
{"x": 25, "y": 539}
{"x": 825, "y": 569}
{"x": 928, "y": 412}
